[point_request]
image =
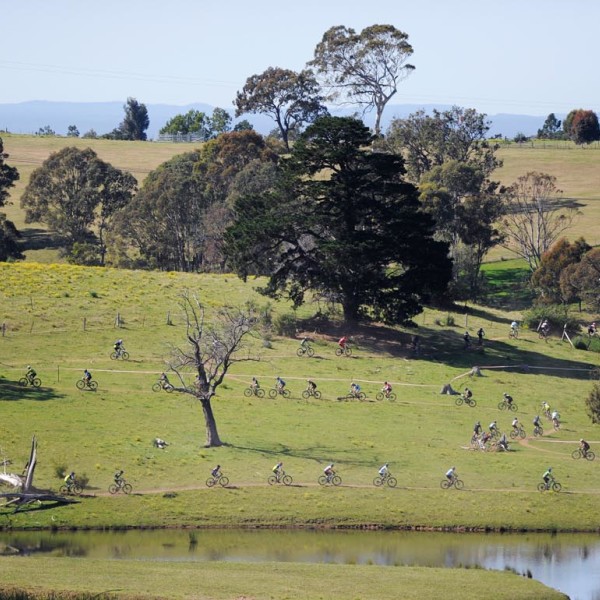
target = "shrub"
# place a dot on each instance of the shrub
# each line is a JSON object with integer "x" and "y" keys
{"x": 580, "y": 342}
{"x": 557, "y": 316}
{"x": 286, "y": 324}
{"x": 592, "y": 404}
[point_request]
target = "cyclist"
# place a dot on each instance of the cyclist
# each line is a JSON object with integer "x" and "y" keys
{"x": 480, "y": 336}
{"x": 216, "y": 472}
{"x": 451, "y": 474}
{"x": 467, "y": 339}
{"x": 555, "y": 419}
{"x": 87, "y": 376}
{"x": 503, "y": 442}
{"x": 515, "y": 424}
{"x": 477, "y": 428}
{"x": 164, "y": 380}
{"x": 547, "y": 477}
{"x": 280, "y": 384}
{"x": 311, "y": 386}
{"x": 536, "y": 421}
{"x": 354, "y": 389}
{"x": 546, "y": 408}
{"x": 484, "y": 439}
{"x": 508, "y": 398}
{"x": 30, "y": 373}
{"x": 545, "y": 327}
{"x": 387, "y": 388}
{"x": 254, "y": 384}
{"x": 384, "y": 471}
{"x": 118, "y": 346}
{"x": 514, "y": 328}
{"x": 468, "y": 394}
{"x": 119, "y": 477}
{"x": 493, "y": 427}
{"x": 278, "y": 470}
{"x": 70, "y": 479}
{"x": 592, "y": 329}
{"x": 304, "y": 342}
{"x": 584, "y": 447}
{"x": 329, "y": 472}
{"x": 342, "y": 343}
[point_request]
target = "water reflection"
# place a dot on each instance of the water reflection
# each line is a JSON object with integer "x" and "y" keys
{"x": 568, "y": 562}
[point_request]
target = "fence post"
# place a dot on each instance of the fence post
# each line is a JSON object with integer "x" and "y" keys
{"x": 169, "y": 318}
{"x": 118, "y": 320}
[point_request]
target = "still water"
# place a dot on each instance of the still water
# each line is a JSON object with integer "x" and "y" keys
{"x": 567, "y": 562}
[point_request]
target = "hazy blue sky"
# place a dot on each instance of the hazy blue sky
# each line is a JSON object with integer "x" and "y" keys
{"x": 514, "y": 56}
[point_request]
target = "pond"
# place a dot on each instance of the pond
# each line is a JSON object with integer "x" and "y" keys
{"x": 567, "y": 562}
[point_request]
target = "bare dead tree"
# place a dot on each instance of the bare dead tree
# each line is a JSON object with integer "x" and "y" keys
{"x": 213, "y": 346}
{"x": 535, "y": 218}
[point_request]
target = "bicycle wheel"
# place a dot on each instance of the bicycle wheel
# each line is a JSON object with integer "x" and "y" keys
{"x": 286, "y": 393}
{"x": 113, "y": 356}
{"x": 168, "y": 388}
{"x": 501, "y": 405}
{"x": 260, "y": 393}
{"x": 378, "y": 481}
{"x": 338, "y": 351}
{"x": 392, "y": 397}
{"x": 271, "y": 480}
{"x": 336, "y": 480}
{"x": 541, "y": 487}
{"x": 348, "y": 352}
{"x": 576, "y": 454}
{"x": 77, "y": 489}
{"x": 322, "y": 480}
{"x": 317, "y": 394}
{"x": 63, "y": 489}
{"x": 379, "y": 396}
{"x": 538, "y": 431}
{"x": 590, "y": 455}
{"x": 522, "y": 434}
{"x": 93, "y": 385}
{"x": 513, "y": 434}
{"x": 248, "y": 392}
{"x": 459, "y": 484}
{"x": 306, "y": 394}
{"x": 23, "y": 381}
{"x": 210, "y": 481}
{"x": 273, "y": 393}
{"x": 459, "y": 401}
{"x": 287, "y": 480}
{"x": 224, "y": 481}
{"x": 471, "y": 402}
{"x": 445, "y": 484}
{"x": 362, "y": 396}
{"x": 300, "y": 352}
{"x": 37, "y": 382}
{"x": 112, "y": 488}
{"x": 514, "y": 407}
{"x": 127, "y": 488}
{"x": 80, "y": 384}
{"x": 556, "y": 487}
{"x": 125, "y": 355}
{"x": 310, "y": 352}
{"x": 392, "y": 481}
{"x": 156, "y": 387}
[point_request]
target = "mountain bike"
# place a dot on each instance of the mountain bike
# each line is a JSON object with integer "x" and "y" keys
{"x": 391, "y": 396}
{"x": 513, "y": 334}
{"x": 273, "y": 392}
{"x": 84, "y": 384}
{"x": 467, "y": 400}
{"x": 220, "y": 479}
{"x": 254, "y": 391}
{"x": 544, "y": 334}
{"x": 519, "y": 432}
{"x": 32, "y": 381}
{"x": 120, "y": 485}
{"x": 579, "y": 453}
{"x": 353, "y": 396}
{"x": 551, "y": 485}
{"x": 330, "y": 479}
{"x": 307, "y": 350}
{"x": 538, "y": 430}
{"x": 446, "y": 483}
{"x": 121, "y": 353}
{"x": 161, "y": 385}
{"x": 73, "y": 489}
{"x": 345, "y": 351}
{"x": 385, "y": 479}
{"x": 281, "y": 478}
{"x": 308, "y": 392}
{"x": 504, "y": 405}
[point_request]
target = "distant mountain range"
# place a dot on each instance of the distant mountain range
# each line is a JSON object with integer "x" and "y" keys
{"x": 102, "y": 117}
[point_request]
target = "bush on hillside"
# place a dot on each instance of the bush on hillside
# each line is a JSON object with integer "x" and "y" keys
{"x": 557, "y": 316}
{"x": 592, "y": 404}
{"x": 286, "y": 324}
{"x": 585, "y": 342}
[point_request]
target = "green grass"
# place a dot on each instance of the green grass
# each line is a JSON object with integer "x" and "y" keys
{"x": 216, "y": 580}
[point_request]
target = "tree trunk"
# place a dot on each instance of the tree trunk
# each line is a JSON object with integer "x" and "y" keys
{"x": 212, "y": 435}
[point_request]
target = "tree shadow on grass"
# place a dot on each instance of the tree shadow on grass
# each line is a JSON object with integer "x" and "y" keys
{"x": 39, "y": 239}
{"x": 11, "y": 390}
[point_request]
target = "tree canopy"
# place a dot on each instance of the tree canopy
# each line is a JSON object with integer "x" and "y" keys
{"x": 342, "y": 222}
{"x": 582, "y": 126}
{"x": 551, "y": 128}
{"x": 291, "y": 99}
{"x": 198, "y": 122}
{"x": 363, "y": 68}
{"x": 134, "y": 124}
{"x": 73, "y": 190}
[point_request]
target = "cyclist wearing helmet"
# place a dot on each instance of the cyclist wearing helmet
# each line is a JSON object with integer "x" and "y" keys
{"x": 216, "y": 472}
{"x": 384, "y": 470}
{"x": 547, "y": 476}
{"x": 280, "y": 384}
{"x": 536, "y": 421}
{"x": 508, "y": 398}
{"x": 477, "y": 428}
{"x": 584, "y": 446}
{"x": 30, "y": 373}
{"x": 451, "y": 473}
{"x": 328, "y": 471}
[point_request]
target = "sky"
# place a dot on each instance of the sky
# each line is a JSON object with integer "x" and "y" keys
{"x": 528, "y": 57}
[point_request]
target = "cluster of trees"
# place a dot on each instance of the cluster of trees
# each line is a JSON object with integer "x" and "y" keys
{"x": 9, "y": 236}
{"x": 581, "y": 126}
{"x": 204, "y": 126}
